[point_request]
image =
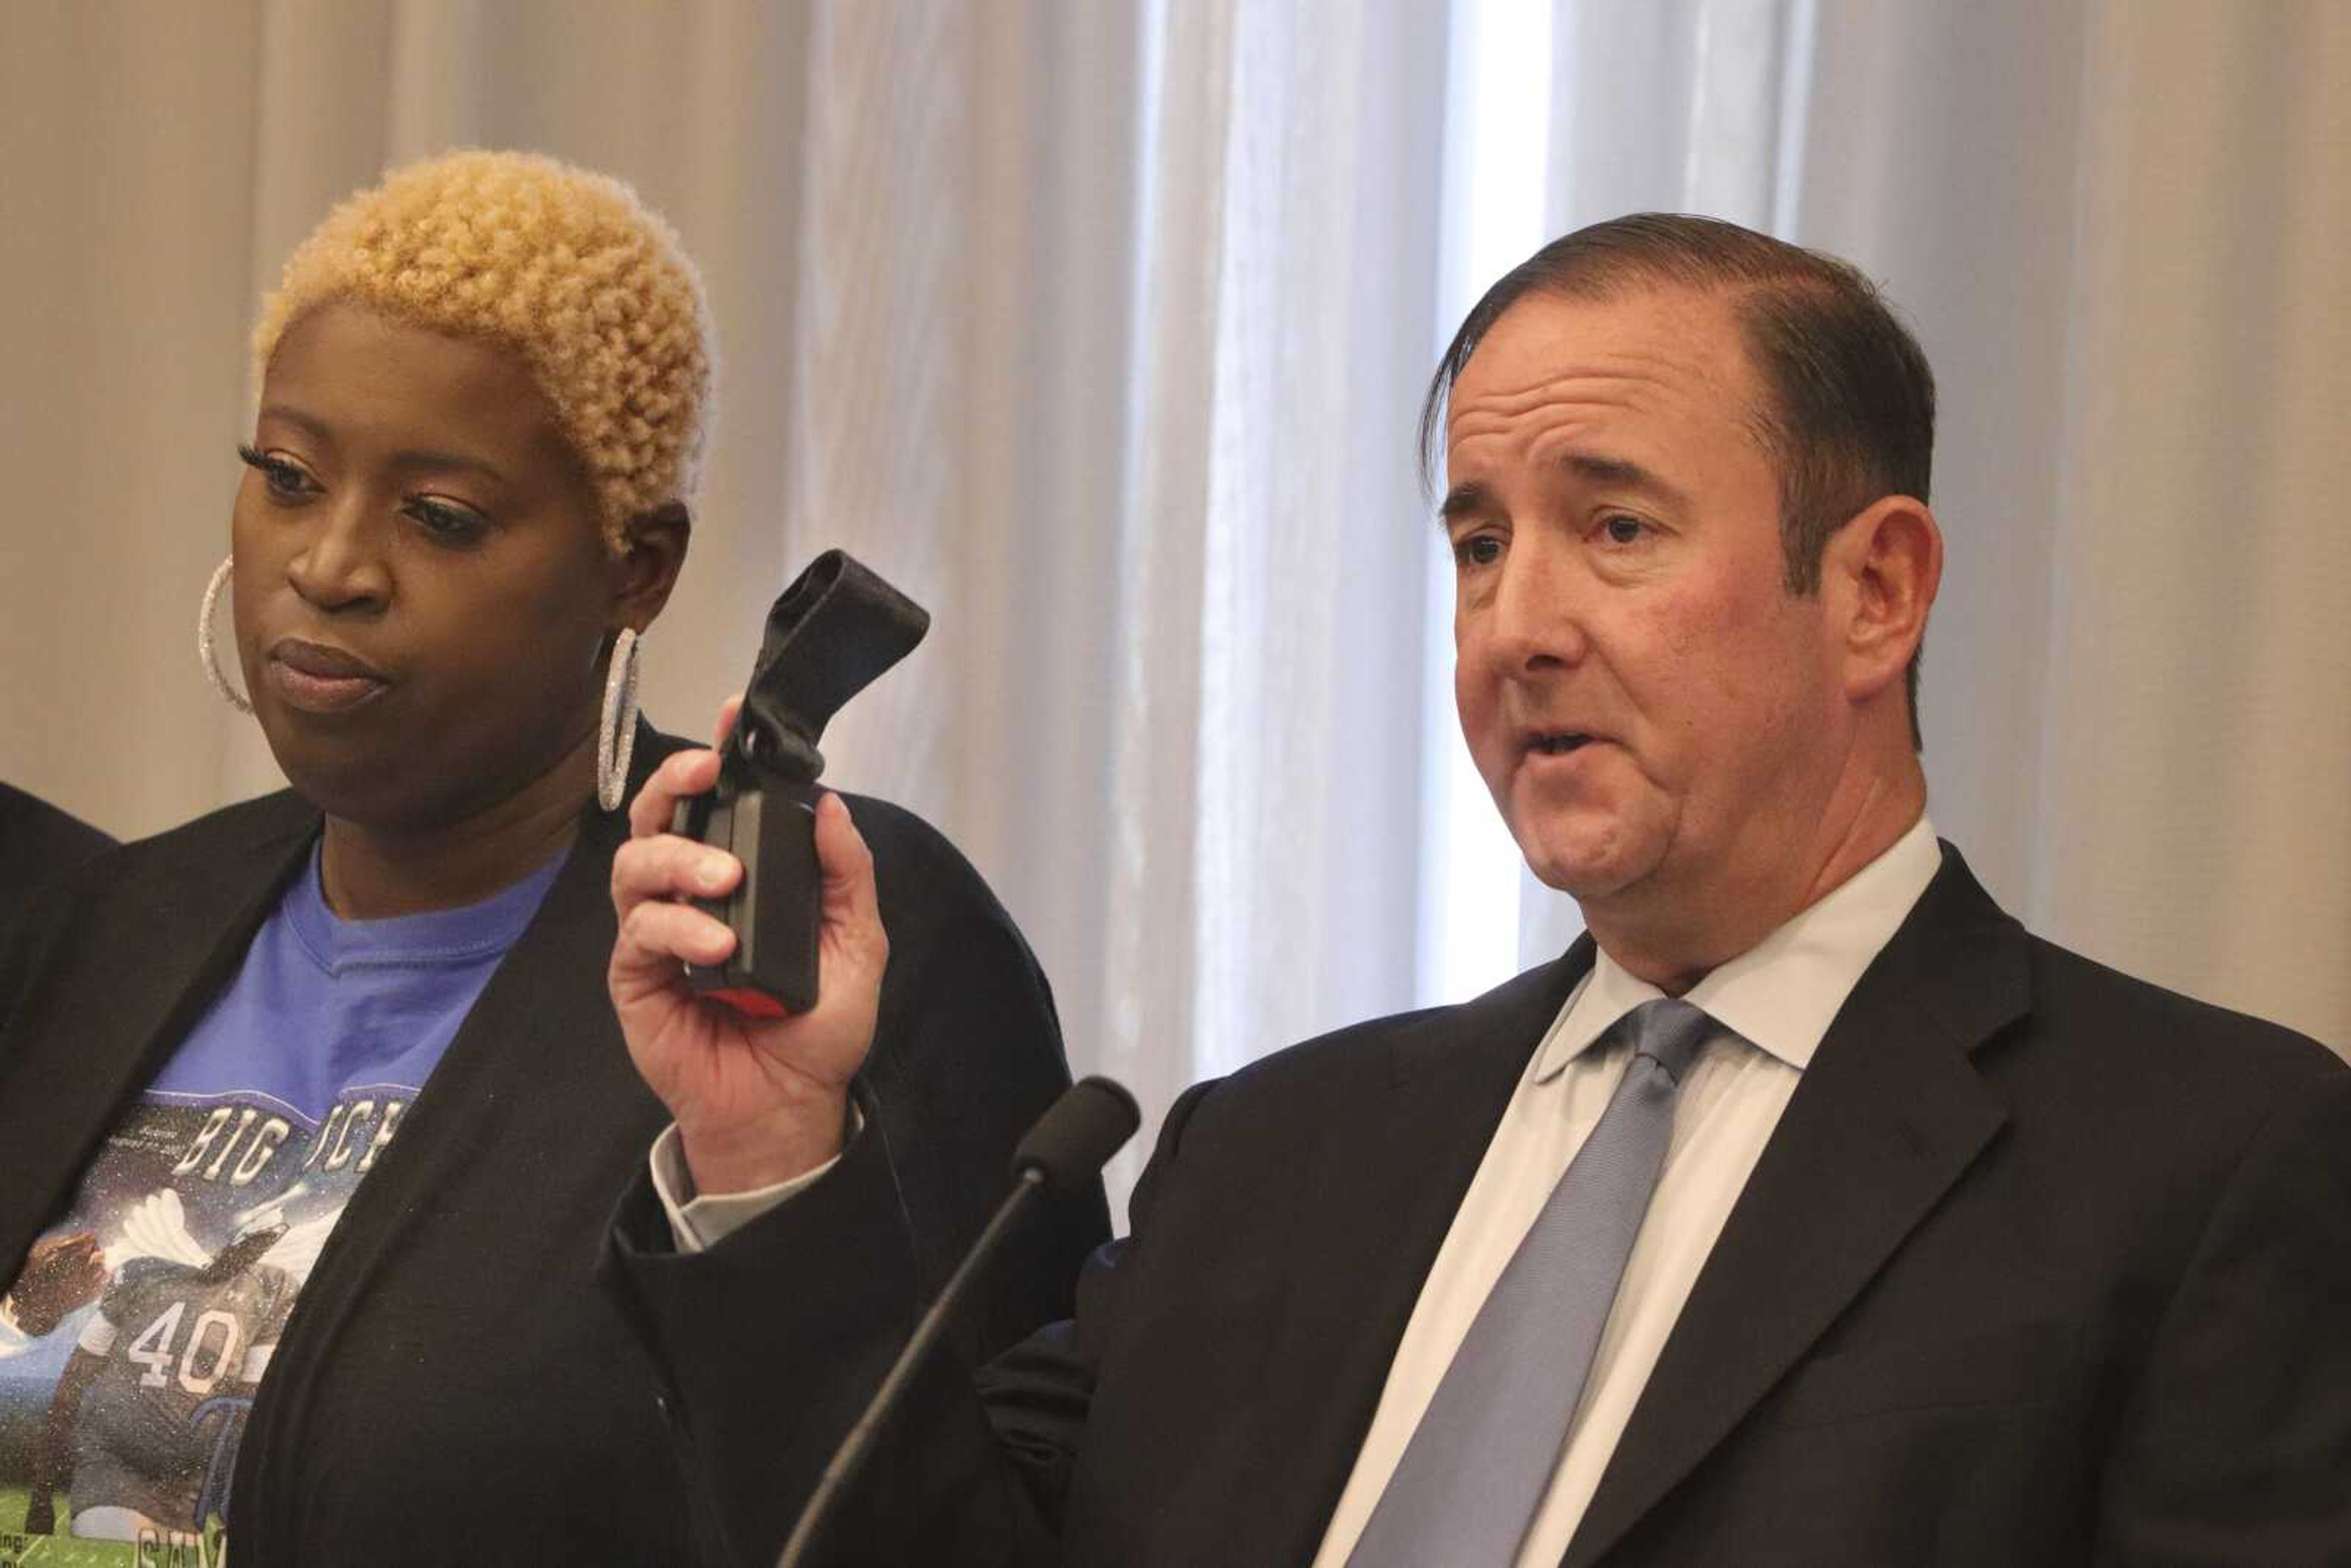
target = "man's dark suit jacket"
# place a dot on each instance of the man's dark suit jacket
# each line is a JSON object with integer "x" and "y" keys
{"x": 454, "y": 1387}
{"x": 2043, "y": 1265}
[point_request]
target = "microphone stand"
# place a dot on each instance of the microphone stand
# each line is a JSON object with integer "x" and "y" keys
{"x": 1070, "y": 1144}
{"x": 850, "y": 1456}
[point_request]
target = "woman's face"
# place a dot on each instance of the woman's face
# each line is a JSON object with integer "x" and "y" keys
{"x": 421, "y": 591}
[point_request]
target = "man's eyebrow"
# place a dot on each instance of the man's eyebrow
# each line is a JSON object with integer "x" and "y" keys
{"x": 1472, "y": 496}
{"x": 415, "y": 461}
{"x": 1463, "y": 500}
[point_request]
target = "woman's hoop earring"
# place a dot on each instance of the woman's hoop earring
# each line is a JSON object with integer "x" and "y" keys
{"x": 207, "y": 651}
{"x": 616, "y": 733}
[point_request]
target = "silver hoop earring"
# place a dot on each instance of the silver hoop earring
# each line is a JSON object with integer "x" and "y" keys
{"x": 206, "y": 650}
{"x": 616, "y": 733}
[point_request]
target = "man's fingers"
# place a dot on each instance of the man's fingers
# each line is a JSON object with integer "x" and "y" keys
{"x": 667, "y": 867}
{"x": 686, "y": 773}
{"x": 657, "y": 934}
{"x": 850, "y": 902}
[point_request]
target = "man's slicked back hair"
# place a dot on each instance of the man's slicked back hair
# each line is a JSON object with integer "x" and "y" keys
{"x": 1848, "y": 407}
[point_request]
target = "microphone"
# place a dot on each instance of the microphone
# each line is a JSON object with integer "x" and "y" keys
{"x": 1068, "y": 1145}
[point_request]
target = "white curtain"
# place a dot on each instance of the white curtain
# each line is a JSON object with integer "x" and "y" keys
{"x": 2126, "y": 271}
{"x": 1100, "y": 326}
{"x": 2118, "y": 227}
{"x": 1096, "y": 352}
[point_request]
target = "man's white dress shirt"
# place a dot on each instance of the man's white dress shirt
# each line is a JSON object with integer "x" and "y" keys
{"x": 699, "y": 1221}
{"x": 1771, "y": 1005}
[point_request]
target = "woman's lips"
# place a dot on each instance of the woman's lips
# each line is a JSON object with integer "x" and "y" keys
{"x": 316, "y": 678}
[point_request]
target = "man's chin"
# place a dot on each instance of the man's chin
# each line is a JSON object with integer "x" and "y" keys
{"x": 1587, "y": 855}
{"x": 1585, "y": 878}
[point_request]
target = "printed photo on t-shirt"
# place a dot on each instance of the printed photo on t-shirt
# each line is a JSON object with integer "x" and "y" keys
{"x": 133, "y": 1341}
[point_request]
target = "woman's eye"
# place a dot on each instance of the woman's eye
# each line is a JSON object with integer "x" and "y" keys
{"x": 284, "y": 481}
{"x": 447, "y": 524}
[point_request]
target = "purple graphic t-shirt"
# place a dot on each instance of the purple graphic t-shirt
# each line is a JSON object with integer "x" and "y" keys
{"x": 134, "y": 1338}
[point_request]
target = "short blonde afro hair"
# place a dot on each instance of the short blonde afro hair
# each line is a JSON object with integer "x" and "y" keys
{"x": 566, "y": 266}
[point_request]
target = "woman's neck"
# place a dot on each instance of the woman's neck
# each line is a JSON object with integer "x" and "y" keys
{"x": 372, "y": 871}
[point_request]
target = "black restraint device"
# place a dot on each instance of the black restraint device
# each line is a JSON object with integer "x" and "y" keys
{"x": 836, "y": 627}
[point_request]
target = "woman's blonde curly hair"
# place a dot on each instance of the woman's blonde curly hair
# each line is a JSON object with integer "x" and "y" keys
{"x": 566, "y": 266}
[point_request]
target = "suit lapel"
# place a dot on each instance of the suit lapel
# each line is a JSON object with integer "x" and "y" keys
{"x": 1385, "y": 1178}
{"x": 1888, "y": 1116}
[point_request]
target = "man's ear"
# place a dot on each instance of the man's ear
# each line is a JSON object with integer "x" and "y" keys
{"x": 647, "y": 569}
{"x": 1882, "y": 570}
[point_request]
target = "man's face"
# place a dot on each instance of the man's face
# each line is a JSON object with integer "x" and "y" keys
{"x": 1655, "y": 717}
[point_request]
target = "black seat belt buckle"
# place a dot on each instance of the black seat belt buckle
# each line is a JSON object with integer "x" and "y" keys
{"x": 836, "y": 629}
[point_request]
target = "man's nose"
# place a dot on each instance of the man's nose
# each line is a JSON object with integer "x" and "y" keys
{"x": 340, "y": 564}
{"x": 1536, "y": 620}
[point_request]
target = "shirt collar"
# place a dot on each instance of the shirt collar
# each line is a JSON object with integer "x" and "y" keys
{"x": 1783, "y": 993}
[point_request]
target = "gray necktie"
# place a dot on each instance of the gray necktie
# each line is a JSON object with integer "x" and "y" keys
{"x": 1469, "y": 1481}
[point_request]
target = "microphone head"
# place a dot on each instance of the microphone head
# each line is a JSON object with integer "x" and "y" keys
{"x": 1078, "y": 1133}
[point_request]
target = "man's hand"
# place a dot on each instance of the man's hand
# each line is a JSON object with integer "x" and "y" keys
{"x": 756, "y": 1101}
{"x": 60, "y": 1274}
